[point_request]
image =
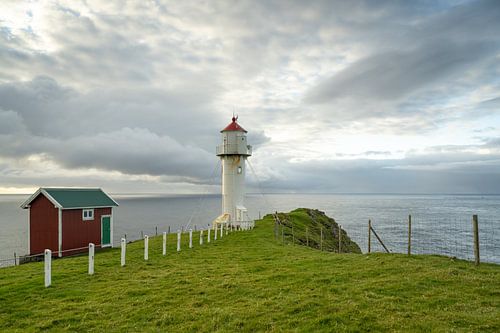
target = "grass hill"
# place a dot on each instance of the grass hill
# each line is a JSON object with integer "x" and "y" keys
{"x": 248, "y": 281}
{"x": 305, "y": 226}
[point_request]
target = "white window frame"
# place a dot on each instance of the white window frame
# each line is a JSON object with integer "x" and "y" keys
{"x": 88, "y": 217}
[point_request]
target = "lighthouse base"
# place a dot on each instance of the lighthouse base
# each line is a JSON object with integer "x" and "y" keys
{"x": 225, "y": 220}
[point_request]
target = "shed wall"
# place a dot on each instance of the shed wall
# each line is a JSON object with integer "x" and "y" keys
{"x": 78, "y": 233}
{"x": 43, "y": 226}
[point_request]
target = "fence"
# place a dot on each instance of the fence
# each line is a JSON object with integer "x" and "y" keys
{"x": 452, "y": 237}
{"x": 218, "y": 233}
{"x": 19, "y": 257}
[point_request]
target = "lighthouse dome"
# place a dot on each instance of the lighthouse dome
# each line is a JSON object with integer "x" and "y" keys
{"x": 234, "y": 126}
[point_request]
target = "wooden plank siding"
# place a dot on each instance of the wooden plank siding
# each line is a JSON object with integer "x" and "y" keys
{"x": 43, "y": 226}
{"x": 78, "y": 233}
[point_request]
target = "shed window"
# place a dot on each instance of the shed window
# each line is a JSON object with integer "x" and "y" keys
{"x": 88, "y": 214}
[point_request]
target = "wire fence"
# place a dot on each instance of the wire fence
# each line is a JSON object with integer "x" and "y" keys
{"x": 448, "y": 236}
{"x": 452, "y": 237}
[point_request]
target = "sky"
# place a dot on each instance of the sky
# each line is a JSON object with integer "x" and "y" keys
{"x": 336, "y": 96}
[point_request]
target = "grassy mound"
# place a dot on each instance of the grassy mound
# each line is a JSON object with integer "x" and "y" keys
{"x": 248, "y": 281}
{"x": 304, "y": 226}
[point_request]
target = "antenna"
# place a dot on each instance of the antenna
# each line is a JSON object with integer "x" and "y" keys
{"x": 235, "y": 118}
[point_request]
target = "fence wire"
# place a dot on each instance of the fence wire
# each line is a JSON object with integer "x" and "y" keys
{"x": 448, "y": 236}
{"x": 451, "y": 236}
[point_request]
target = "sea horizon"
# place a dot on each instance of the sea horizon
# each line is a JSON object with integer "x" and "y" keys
{"x": 284, "y": 193}
{"x": 441, "y": 222}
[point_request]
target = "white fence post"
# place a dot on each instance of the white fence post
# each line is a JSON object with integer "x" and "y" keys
{"x": 146, "y": 247}
{"x": 164, "y": 243}
{"x": 178, "y": 240}
{"x": 208, "y": 235}
{"x": 190, "y": 238}
{"x": 124, "y": 249}
{"x": 48, "y": 267}
{"x": 91, "y": 258}
{"x": 201, "y": 237}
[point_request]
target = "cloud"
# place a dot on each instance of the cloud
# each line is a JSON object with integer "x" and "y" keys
{"x": 452, "y": 174}
{"x": 396, "y": 75}
{"x": 134, "y": 151}
{"x": 90, "y": 131}
{"x": 336, "y": 96}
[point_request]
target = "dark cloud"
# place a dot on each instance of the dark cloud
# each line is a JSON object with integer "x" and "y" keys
{"x": 396, "y": 75}
{"x": 90, "y": 131}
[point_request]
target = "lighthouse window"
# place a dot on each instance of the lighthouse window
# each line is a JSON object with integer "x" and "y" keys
{"x": 240, "y": 169}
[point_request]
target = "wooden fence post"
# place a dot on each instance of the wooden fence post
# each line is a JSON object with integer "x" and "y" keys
{"x": 156, "y": 230}
{"x": 146, "y": 247}
{"x": 15, "y": 259}
{"x": 91, "y": 258}
{"x": 409, "y": 234}
{"x": 475, "y": 227}
{"x": 276, "y": 226}
{"x": 178, "y": 240}
{"x": 369, "y": 236}
{"x": 190, "y": 238}
{"x": 164, "y": 250}
{"x": 340, "y": 239}
{"x": 321, "y": 239}
{"x": 124, "y": 249}
{"x": 169, "y": 230}
{"x": 48, "y": 267}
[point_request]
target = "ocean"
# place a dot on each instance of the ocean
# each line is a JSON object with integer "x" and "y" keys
{"x": 441, "y": 224}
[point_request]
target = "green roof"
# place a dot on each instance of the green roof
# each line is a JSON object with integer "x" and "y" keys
{"x": 80, "y": 198}
{"x": 75, "y": 197}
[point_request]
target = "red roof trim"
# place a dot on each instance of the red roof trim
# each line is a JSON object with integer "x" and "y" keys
{"x": 234, "y": 126}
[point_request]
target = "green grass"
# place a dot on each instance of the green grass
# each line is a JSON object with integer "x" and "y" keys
{"x": 313, "y": 228}
{"x": 249, "y": 282}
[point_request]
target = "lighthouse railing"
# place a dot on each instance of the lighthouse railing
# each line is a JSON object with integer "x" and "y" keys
{"x": 233, "y": 148}
{"x": 244, "y": 225}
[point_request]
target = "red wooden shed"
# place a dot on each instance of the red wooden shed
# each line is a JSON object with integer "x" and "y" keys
{"x": 64, "y": 219}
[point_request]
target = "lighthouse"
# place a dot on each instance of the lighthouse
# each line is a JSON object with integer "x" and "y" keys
{"x": 233, "y": 153}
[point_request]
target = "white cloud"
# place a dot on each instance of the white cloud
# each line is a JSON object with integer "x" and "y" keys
{"x": 136, "y": 92}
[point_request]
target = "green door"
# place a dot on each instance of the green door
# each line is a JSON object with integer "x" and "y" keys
{"x": 106, "y": 230}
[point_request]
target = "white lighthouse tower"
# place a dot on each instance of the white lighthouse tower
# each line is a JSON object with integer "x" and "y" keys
{"x": 233, "y": 153}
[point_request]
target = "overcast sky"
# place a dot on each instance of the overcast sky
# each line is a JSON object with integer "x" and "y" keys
{"x": 347, "y": 96}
